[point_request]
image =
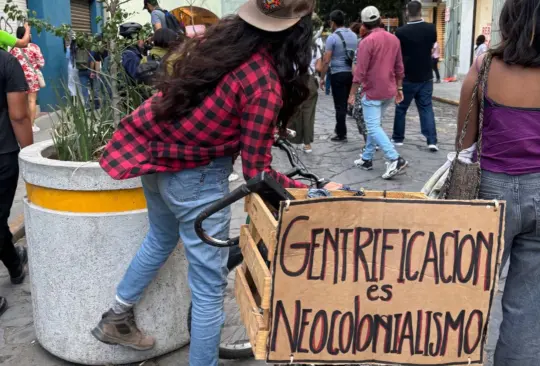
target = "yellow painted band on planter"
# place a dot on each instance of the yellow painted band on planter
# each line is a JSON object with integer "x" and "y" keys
{"x": 86, "y": 201}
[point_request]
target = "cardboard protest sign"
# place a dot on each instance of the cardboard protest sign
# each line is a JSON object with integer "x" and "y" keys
{"x": 399, "y": 282}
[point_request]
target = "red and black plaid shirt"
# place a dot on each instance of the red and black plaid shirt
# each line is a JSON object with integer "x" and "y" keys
{"x": 239, "y": 116}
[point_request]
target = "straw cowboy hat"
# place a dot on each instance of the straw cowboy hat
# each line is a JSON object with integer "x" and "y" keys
{"x": 275, "y": 15}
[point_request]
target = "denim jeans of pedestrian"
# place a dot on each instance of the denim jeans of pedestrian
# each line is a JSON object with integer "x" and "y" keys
{"x": 341, "y": 88}
{"x": 518, "y": 340}
{"x": 85, "y": 85}
{"x": 328, "y": 87}
{"x": 373, "y": 113}
{"x": 422, "y": 93}
{"x": 174, "y": 201}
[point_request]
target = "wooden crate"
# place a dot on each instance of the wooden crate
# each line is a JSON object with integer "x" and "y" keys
{"x": 253, "y": 277}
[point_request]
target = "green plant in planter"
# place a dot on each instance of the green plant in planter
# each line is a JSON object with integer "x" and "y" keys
{"x": 83, "y": 129}
{"x": 80, "y": 132}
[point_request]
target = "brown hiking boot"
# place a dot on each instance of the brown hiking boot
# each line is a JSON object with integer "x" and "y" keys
{"x": 121, "y": 329}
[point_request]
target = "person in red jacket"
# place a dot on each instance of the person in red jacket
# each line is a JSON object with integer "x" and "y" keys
{"x": 183, "y": 142}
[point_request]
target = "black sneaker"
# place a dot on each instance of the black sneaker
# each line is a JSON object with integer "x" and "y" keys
{"x": 3, "y": 305}
{"x": 364, "y": 164}
{"x": 18, "y": 277}
{"x": 395, "y": 167}
{"x": 339, "y": 139}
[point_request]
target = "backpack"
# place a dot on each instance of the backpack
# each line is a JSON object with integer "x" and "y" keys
{"x": 81, "y": 59}
{"x": 147, "y": 71}
{"x": 349, "y": 54}
{"x": 172, "y": 23}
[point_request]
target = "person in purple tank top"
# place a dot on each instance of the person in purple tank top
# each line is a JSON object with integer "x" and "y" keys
{"x": 510, "y": 161}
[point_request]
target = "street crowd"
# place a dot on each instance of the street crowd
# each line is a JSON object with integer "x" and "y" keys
{"x": 209, "y": 109}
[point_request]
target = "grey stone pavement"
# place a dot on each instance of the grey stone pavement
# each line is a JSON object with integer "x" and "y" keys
{"x": 448, "y": 91}
{"x": 18, "y": 344}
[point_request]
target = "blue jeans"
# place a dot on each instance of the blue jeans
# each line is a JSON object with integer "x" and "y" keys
{"x": 174, "y": 201}
{"x": 518, "y": 342}
{"x": 373, "y": 113}
{"x": 85, "y": 87}
{"x": 422, "y": 93}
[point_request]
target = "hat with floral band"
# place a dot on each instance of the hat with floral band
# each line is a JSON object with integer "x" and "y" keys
{"x": 275, "y": 15}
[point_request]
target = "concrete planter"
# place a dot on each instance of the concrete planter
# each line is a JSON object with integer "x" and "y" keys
{"x": 83, "y": 229}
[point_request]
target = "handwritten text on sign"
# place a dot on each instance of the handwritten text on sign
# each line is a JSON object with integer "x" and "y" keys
{"x": 399, "y": 282}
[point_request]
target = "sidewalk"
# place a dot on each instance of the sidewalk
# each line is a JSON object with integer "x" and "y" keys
{"x": 447, "y": 92}
{"x": 18, "y": 344}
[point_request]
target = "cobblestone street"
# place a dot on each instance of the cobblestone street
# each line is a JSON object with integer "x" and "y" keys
{"x": 18, "y": 344}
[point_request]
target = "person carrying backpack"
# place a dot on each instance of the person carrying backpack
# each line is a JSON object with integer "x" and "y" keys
{"x": 162, "y": 18}
{"x": 150, "y": 65}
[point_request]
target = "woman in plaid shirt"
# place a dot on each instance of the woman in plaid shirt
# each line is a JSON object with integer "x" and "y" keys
{"x": 225, "y": 97}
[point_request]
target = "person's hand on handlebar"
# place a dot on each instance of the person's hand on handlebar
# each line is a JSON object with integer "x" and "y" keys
{"x": 333, "y": 186}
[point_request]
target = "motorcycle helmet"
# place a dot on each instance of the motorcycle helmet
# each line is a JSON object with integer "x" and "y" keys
{"x": 130, "y": 30}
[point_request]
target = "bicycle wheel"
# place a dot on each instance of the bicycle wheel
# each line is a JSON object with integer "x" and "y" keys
{"x": 234, "y": 344}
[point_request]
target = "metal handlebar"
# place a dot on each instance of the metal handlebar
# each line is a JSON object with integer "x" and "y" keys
{"x": 228, "y": 200}
{"x": 246, "y": 189}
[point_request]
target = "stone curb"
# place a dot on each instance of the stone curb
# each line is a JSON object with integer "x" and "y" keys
{"x": 17, "y": 228}
{"x": 447, "y": 101}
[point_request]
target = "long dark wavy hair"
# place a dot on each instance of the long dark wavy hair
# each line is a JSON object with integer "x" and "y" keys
{"x": 480, "y": 40}
{"x": 520, "y": 31}
{"x": 201, "y": 63}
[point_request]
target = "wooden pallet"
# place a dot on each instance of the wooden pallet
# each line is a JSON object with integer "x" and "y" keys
{"x": 253, "y": 278}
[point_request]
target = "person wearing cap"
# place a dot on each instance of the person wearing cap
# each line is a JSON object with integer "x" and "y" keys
{"x": 157, "y": 15}
{"x": 417, "y": 40}
{"x": 379, "y": 71}
{"x": 133, "y": 54}
{"x": 183, "y": 142}
{"x": 339, "y": 54}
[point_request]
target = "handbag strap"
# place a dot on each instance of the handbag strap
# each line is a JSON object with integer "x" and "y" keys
{"x": 28, "y": 61}
{"x": 479, "y": 87}
{"x": 345, "y": 49}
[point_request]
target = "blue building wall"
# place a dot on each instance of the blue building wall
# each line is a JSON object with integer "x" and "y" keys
{"x": 57, "y": 12}
{"x": 96, "y": 10}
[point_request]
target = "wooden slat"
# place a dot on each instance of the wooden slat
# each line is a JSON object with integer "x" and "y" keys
{"x": 264, "y": 221}
{"x": 301, "y": 194}
{"x": 255, "y": 234}
{"x": 251, "y": 317}
{"x": 257, "y": 238}
{"x": 396, "y": 195}
{"x": 256, "y": 266}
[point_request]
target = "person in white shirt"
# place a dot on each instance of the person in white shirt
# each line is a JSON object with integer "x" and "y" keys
{"x": 481, "y": 46}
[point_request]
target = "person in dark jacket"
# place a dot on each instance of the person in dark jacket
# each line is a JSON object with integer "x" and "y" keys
{"x": 133, "y": 55}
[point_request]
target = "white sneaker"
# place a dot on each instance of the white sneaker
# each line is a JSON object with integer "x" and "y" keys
{"x": 395, "y": 167}
{"x": 433, "y": 148}
{"x": 397, "y": 143}
{"x": 233, "y": 177}
{"x": 35, "y": 129}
